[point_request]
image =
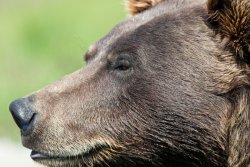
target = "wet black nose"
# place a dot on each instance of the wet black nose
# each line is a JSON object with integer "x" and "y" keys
{"x": 23, "y": 114}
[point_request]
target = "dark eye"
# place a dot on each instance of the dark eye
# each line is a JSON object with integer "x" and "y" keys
{"x": 123, "y": 63}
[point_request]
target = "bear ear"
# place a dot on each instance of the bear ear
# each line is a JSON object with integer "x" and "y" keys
{"x": 231, "y": 19}
{"x": 137, "y": 6}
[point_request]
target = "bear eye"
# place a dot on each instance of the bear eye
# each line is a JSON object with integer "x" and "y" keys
{"x": 123, "y": 63}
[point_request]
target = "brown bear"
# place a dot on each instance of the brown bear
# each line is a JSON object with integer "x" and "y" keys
{"x": 168, "y": 87}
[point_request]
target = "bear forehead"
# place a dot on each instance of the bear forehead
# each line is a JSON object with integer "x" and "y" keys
{"x": 166, "y": 7}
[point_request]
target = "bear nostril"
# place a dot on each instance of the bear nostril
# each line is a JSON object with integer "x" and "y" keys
{"x": 25, "y": 127}
{"x": 23, "y": 114}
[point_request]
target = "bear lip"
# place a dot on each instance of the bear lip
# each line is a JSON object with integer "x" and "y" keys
{"x": 36, "y": 155}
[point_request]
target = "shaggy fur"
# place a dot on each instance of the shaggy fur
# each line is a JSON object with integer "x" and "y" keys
{"x": 239, "y": 129}
{"x": 138, "y": 6}
{"x": 232, "y": 19}
{"x": 168, "y": 87}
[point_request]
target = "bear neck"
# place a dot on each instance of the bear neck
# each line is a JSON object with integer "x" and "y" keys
{"x": 239, "y": 129}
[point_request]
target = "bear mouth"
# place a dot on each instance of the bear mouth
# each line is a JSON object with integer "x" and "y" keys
{"x": 91, "y": 152}
{"x": 35, "y": 155}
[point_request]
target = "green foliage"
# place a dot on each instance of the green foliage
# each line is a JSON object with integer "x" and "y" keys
{"x": 40, "y": 41}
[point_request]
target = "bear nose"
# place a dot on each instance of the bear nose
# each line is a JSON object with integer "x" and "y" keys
{"x": 23, "y": 115}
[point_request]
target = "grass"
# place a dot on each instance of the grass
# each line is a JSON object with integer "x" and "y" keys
{"x": 41, "y": 41}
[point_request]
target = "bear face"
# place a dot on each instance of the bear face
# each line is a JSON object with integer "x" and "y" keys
{"x": 166, "y": 87}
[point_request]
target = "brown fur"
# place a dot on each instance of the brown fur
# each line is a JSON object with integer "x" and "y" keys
{"x": 233, "y": 24}
{"x": 183, "y": 102}
{"x": 138, "y": 6}
{"x": 239, "y": 130}
{"x": 231, "y": 21}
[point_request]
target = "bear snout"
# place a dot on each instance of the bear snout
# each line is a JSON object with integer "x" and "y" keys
{"x": 24, "y": 115}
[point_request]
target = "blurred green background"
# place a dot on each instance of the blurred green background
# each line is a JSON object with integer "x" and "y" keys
{"x": 42, "y": 40}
